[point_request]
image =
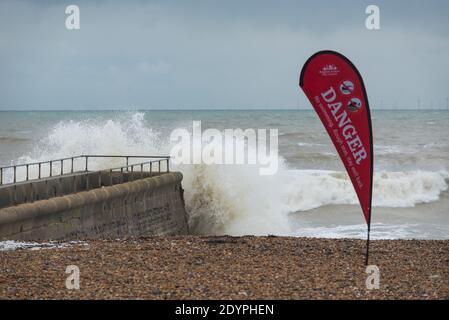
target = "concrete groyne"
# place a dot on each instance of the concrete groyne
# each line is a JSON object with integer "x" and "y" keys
{"x": 116, "y": 206}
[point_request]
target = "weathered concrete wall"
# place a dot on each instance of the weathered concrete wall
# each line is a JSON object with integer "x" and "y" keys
{"x": 148, "y": 206}
{"x": 30, "y": 191}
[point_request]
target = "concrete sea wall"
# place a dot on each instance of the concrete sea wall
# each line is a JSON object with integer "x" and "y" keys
{"x": 152, "y": 205}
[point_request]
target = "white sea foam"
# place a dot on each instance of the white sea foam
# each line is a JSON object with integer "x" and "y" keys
{"x": 392, "y": 149}
{"x": 235, "y": 199}
{"x": 358, "y": 231}
{"x": 309, "y": 189}
{"x": 122, "y": 135}
{"x": 309, "y": 144}
{"x": 11, "y": 245}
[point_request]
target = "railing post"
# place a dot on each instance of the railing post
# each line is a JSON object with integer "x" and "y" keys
{"x": 110, "y": 177}
{"x": 129, "y": 168}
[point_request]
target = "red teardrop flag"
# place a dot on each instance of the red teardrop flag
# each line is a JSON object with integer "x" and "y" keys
{"x": 335, "y": 88}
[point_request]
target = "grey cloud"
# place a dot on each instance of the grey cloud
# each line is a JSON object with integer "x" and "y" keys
{"x": 188, "y": 54}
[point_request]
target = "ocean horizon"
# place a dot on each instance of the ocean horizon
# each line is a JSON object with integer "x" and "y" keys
{"x": 411, "y": 168}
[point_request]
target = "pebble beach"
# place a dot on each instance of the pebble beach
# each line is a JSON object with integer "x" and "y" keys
{"x": 200, "y": 267}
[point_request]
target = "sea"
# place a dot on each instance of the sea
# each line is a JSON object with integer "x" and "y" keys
{"x": 309, "y": 196}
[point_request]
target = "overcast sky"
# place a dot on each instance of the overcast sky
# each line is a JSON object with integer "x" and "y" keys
{"x": 215, "y": 54}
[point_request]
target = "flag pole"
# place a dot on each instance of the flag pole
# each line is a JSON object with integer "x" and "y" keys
{"x": 368, "y": 234}
{"x": 367, "y": 247}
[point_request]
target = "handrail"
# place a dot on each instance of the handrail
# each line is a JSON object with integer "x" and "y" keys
{"x": 132, "y": 166}
{"x": 50, "y": 164}
{"x": 118, "y": 156}
{"x": 40, "y": 162}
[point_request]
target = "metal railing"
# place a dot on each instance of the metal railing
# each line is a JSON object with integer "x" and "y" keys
{"x": 133, "y": 173}
{"x": 52, "y": 164}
